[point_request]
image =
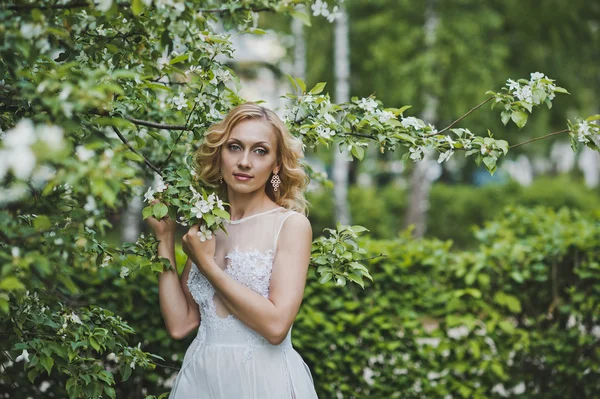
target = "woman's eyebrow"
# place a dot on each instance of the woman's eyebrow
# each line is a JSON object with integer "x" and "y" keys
{"x": 254, "y": 145}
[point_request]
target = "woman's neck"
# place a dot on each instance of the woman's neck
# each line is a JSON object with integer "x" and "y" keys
{"x": 243, "y": 205}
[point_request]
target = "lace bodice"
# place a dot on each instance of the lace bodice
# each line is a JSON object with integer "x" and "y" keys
{"x": 246, "y": 253}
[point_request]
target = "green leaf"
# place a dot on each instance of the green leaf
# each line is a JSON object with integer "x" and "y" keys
{"x": 325, "y": 278}
{"x": 42, "y": 222}
{"x": 303, "y": 17}
{"x": 318, "y": 88}
{"x": 505, "y": 115}
{"x": 133, "y": 156}
{"x": 592, "y": 118}
{"x": 503, "y": 145}
{"x": 147, "y": 211}
{"x": 110, "y": 392}
{"x": 160, "y": 210}
{"x": 490, "y": 164}
{"x": 358, "y": 152}
{"x": 126, "y": 372}
{"x": 293, "y": 82}
{"x": 301, "y": 85}
{"x": 11, "y": 283}
{"x": 178, "y": 59}
{"x": 32, "y": 374}
{"x": 137, "y": 6}
{"x": 47, "y": 362}
{"x": 519, "y": 118}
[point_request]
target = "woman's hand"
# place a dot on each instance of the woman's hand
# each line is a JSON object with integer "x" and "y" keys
{"x": 162, "y": 228}
{"x": 201, "y": 253}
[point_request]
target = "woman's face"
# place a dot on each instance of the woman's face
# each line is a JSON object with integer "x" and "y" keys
{"x": 249, "y": 156}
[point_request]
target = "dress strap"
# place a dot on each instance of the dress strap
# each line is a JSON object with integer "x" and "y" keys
{"x": 290, "y": 213}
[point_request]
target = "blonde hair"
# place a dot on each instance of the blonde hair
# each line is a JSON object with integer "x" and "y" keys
{"x": 207, "y": 159}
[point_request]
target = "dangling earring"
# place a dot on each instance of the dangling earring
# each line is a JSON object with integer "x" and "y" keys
{"x": 220, "y": 177}
{"x": 275, "y": 181}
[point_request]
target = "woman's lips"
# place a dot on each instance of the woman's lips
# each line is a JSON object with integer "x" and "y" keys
{"x": 242, "y": 177}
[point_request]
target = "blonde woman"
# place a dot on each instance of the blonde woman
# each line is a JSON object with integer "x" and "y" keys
{"x": 243, "y": 289}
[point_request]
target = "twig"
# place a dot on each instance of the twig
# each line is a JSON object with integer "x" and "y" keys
{"x": 224, "y": 10}
{"x": 187, "y": 125}
{"x": 366, "y": 136}
{"x": 156, "y": 125}
{"x": 154, "y": 168}
{"x": 461, "y": 118}
{"x": 538, "y": 138}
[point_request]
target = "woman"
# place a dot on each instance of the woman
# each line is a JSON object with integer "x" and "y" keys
{"x": 243, "y": 288}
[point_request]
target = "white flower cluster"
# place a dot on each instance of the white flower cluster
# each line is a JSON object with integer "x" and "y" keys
{"x": 320, "y": 7}
{"x": 370, "y": 107}
{"x": 586, "y": 132}
{"x": 535, "y": 91}
{"x": 160, "y": 187}
{"x": 444, "y": 156}
{"x": 179, "y": 101}
{"x": 17, "y": 154}
{"x": 203, "y": 206}
{"x": 412, "y": 123}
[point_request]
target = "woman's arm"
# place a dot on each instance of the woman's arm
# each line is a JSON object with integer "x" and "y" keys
{"x": 179, "y": 310}
{"x": 272, "y": 317}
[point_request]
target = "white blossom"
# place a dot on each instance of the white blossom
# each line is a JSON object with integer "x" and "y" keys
{"x": 335, "y": 14}
{"x": 535, "y": 76}
{"x": 444, "y": 156}
{"x": 106, "y": 260}
{"x": 44, "y": 386}
{"x": 84, "y": 154}
{"x": 163, "y": 59}
{"x": 384, "y": 116}
{"x": 416, "y": 153}
{"x": 325, "y": 132}
{"x": 124, "y": 272}
{"x": 319, "y": 7}
{"x": 160, "y": 184}
{"x": 413, "y": 122}
{"x": 75, "y": 318}
{"x": 53, "y": 136}
{"x": 23, "y": 356}
{"x": 368, "y": 104}
{"x": 90, "y": 205}
{"x": 204, "y": 233}
{"x": 15, "y": 252}
{"x": 103, "y": 5}
{"x": 200, "y": 207}
{"x": 512, "y": 85}
{"x": 149, "y": 195}
{"x": 179, "y": 101}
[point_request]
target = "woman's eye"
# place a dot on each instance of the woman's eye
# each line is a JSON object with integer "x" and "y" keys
{"x": 234, "y": 147}
{"x": 260, "y": 151}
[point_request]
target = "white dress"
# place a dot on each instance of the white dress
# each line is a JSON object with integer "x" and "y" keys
{"x": 227, "y": 359}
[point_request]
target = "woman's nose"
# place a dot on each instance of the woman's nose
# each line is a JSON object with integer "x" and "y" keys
{"x": 244, "y": 160}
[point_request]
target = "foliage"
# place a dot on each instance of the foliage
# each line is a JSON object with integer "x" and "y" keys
{"x": 519, "y": 316}
{"x": 99, "y": 97}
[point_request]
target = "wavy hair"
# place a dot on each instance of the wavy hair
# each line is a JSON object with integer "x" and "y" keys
{"x": 207, "y": 159}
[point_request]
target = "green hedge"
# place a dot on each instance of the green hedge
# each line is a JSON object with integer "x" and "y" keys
{"x": 519, "y": 317}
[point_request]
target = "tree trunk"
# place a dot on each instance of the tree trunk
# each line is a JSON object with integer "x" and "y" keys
{"x": 342, "y": 94}
{"x": 427, "y": 170}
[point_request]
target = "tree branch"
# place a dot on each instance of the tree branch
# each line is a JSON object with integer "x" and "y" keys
{"x": 154, "y": 168}
{"x": 156, "y": 125}
{"x": 187, "y": 125}
{"x": 539, "y": 138}
{"x": 75, "y": 4}
{"x": 461, "y": 118}
{"x": 366, "y": 136}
